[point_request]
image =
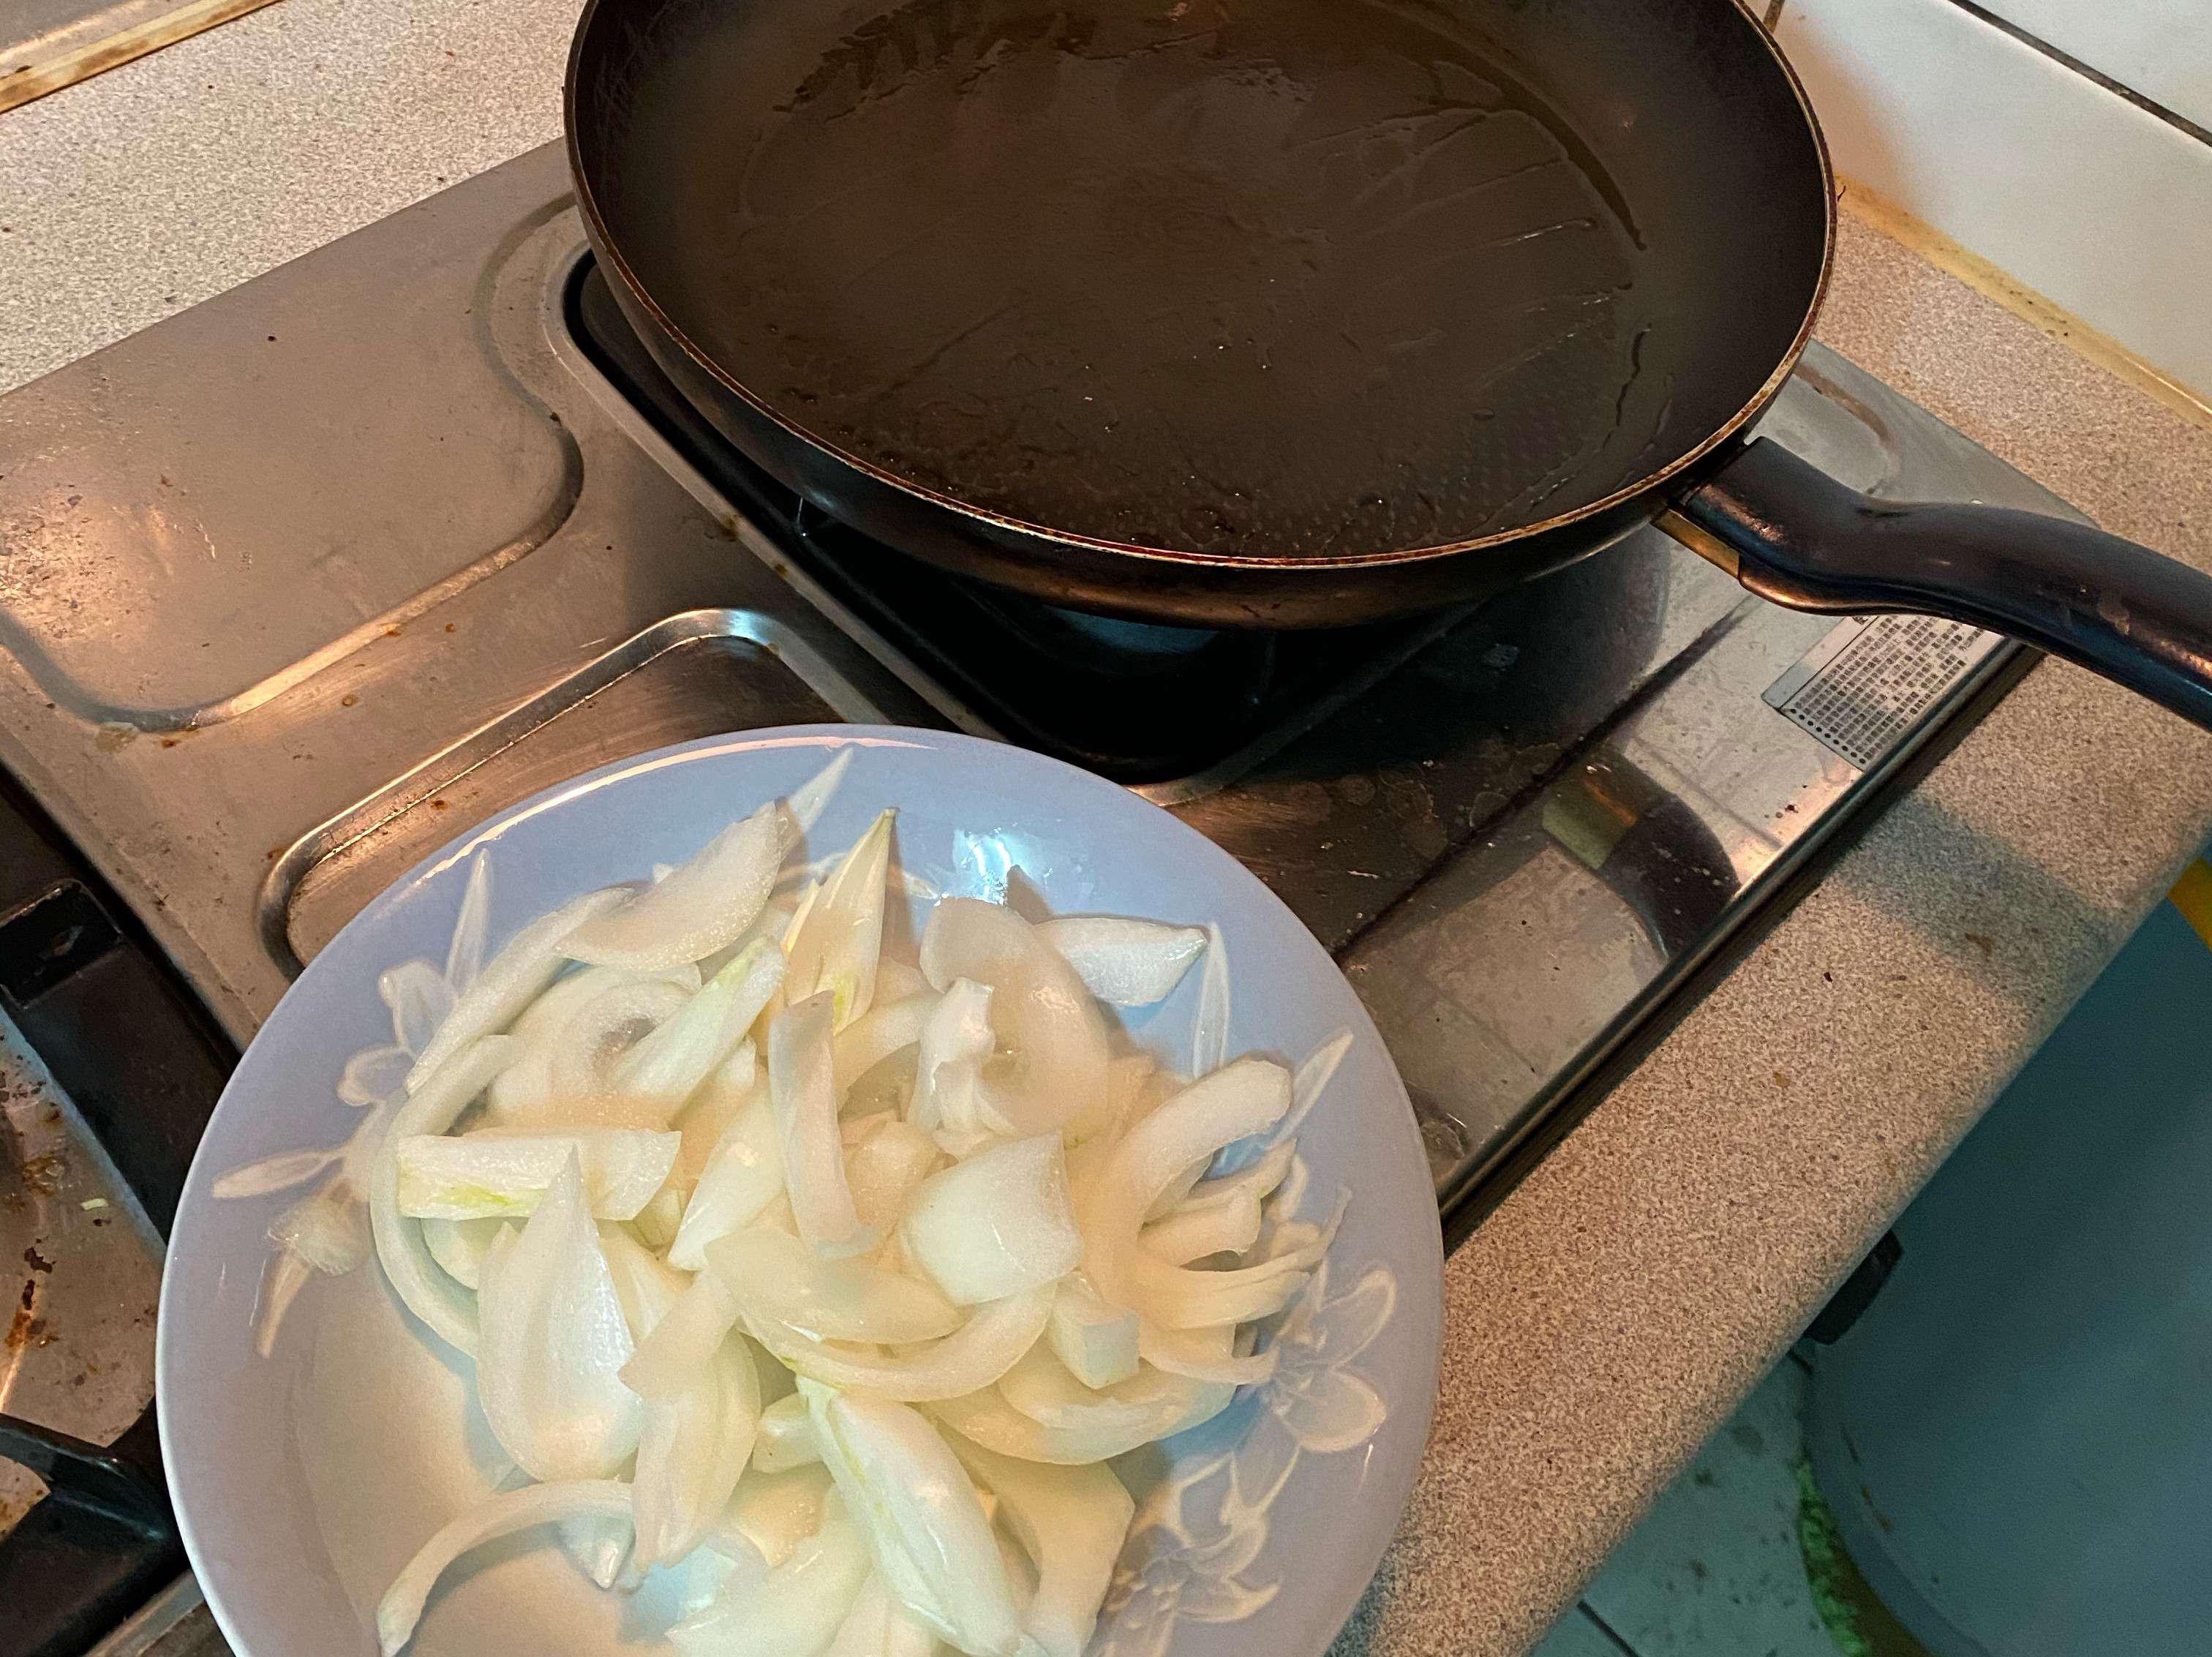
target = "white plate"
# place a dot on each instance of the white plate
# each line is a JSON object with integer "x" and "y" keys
{"x": 305, "y": 1479}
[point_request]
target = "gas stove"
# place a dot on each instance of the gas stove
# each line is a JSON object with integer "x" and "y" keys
{"x": 298, "y": 585}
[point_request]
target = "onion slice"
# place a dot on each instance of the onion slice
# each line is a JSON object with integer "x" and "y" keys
{"x": 996, "y": 1223}
{"x": 774, "y": 1275}
{"x": 401, "y": 1609}
{"x": 690, "y": 1453}
{"x": 415, "y": 1276}
{"x": 1240, "y": 1098}
{"x": 803, "y": 1092}
{"x": 836, "y": 948}
{"x": 1070, "y": 1521}
{"x": 925, "y": 1525}
{"x": 971, "y": 1357}
{"x": 554, "y": 1338}
{"x": 1123, "y": 961}
{"x": 667, "y": 1065}
{"x": 500, "y": 1174}
{"x": 705, "y": 903}
{"x": 744, "y": 1174}
{"x": 796, "y": 1607}
{"x": 510, "y": 981}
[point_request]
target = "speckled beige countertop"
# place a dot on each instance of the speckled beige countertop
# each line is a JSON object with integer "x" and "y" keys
{"x": 1615, "y": 1308}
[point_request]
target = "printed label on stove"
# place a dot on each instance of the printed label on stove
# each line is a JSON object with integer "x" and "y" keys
{"x": 1872, "y": 679}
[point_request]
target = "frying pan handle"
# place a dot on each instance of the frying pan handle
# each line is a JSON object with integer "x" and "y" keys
{"x": 1791, "y": 534}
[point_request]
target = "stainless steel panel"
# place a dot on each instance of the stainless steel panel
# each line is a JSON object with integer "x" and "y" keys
{"x": 688, "y": 677}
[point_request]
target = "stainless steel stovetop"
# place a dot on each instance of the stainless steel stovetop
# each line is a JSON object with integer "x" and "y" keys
{"x": 298, "y": 584}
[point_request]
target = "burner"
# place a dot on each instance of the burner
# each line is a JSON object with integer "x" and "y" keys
{"x": 1131, "y": 700}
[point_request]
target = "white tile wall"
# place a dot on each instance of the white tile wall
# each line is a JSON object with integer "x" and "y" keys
{"x": 2160, "y": 48}
{"x": 2074, "y": 191}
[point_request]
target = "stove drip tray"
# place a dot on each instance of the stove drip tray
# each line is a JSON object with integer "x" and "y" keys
{"x": 1133, "y": 700}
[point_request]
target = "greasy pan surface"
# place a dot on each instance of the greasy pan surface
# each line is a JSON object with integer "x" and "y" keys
{"x": 1267, "y": 283}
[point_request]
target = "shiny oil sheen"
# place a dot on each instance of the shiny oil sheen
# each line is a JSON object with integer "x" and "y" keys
{"x": 1285, "y": 276}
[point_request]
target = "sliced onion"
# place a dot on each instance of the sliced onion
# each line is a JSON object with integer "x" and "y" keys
{"x": 1207, "y": 1355}
{"x": 837, "y": 948}
{"x": 510, "y": 981}
{"x": 679, "y": 1347}
{"x": 806, "y": 802}
{"x": 401, "y": 1609}
{"x": 459, "y": 1246}
{"x": 796, "y": 1608}
{"x": 772, "y": 1513}
{"x": 744, "y": 1174}
{"x": 415, "y": 1276}
{"x": 645, "y": 1285}
{"x": 896, "y": 981}
{"x": 956, "y": 1039}
{"x": 787, "y": 1436}
{"x": 704, "y": 904}
{"x": 500, "y": 1174}
{"x": 1125, "y": 962}
{"x": 1095, "y": 1341}
{"x": 555, "y": 1337}
{"x": 884, "y": 1029}
{"x": 985, "y": 1418}
{"x": 1240, "y": 1098}
{"x": 802, "y": 1091}
{"x": 972, "y": 1357}
{"x": 996, "y": 1223}
{"x": 878, "y": 1626}
{"x": 1054, "y": 1065}
{"x": 581, "y": 1055}
{"x": 712, "y": 1109}
{"x": 667, "y": 1065}
{"x": 1223, "y": 1225}
{"x": 570, "y": 993}
{"x": 926, "y": 1526}
{"x": 1070, "y": 1521}
{"x": 886, "y": 1161}
{"x": 691, "y": 1452}
{"x": 774, "y": 1275}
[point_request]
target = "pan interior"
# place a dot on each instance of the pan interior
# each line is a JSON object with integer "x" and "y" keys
{"x": 1265, "y": 278}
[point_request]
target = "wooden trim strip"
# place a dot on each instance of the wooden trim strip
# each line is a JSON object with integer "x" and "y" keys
{"x": 2046, "y": 315}
{"x": 33, "y": 81}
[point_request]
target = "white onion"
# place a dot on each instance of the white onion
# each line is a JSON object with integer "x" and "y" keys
{"x": 774, "y": 1275}
{"x": 667, "y": 1065}
{"x": 704, "y": 904}
{"x": 1070, "y": 1521}
{"x": 459, "y": 1246}
{"x": 554, "y": 1340}
{"x": 927, "y": 1530}
{"x": 787, "y": 1436}
{"x": 744, "y": 1174}
{"x": 995, "y": 1223}
{"x": 433, "y": 1108}
{"x": 500, "y": 1174}
{"x": 401, "y": 1608}
{"x": 803, "y": 1092}
{"x": 690, "y": 1452}
{"x": 508, "y": 983}
{"x": 1055, "y": 1064}
{"x": 796, "y": 1607}
{"x": 1095, "y": 1341}
{"x": 837, "y": 948}
{"x": 972, "y": 1357}
{"x": 1122, "y": 961}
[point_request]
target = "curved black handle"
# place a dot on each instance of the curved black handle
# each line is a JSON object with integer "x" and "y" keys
{"x": 1792, "y": 534}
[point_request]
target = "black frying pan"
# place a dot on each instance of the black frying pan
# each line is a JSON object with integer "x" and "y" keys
{"x": 1281, "y": 313}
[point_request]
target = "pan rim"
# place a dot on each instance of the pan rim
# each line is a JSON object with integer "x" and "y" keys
{"x": 1652, "y": 484}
